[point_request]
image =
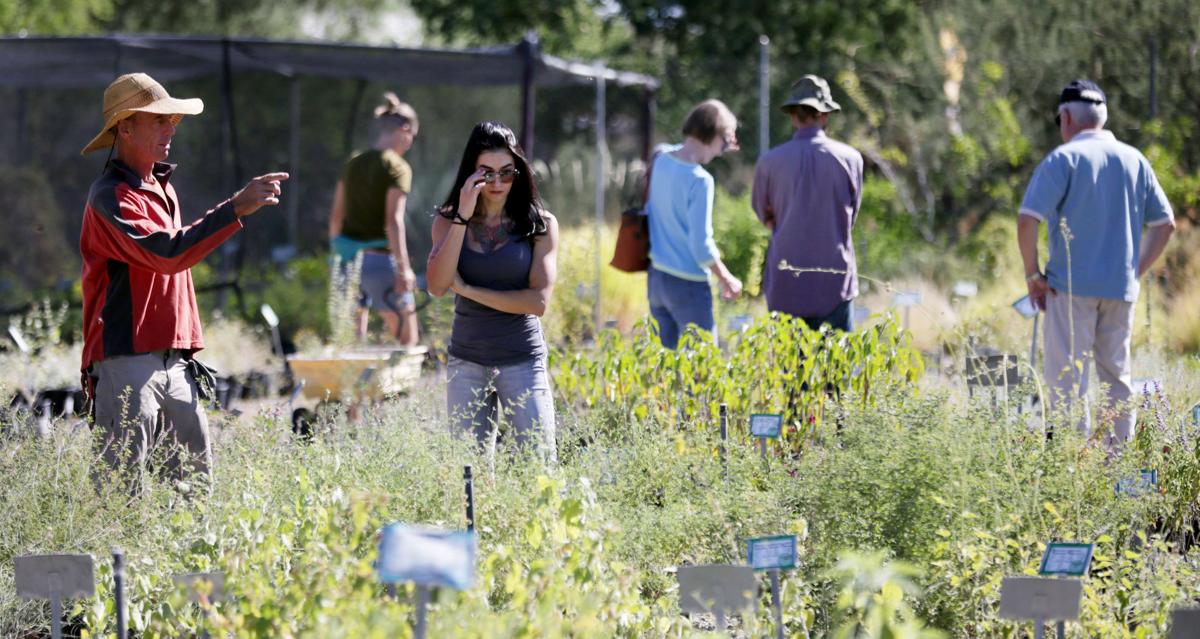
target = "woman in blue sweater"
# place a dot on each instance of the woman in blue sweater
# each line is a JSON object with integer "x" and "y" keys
{"x": 680, "y": 204}
{"x": 494, "y": 245}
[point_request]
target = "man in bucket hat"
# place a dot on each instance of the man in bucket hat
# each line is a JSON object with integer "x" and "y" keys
{"x": 1096, "y": 194}
{"x": 807, "y": 191}
{"x": 140, "y": 320}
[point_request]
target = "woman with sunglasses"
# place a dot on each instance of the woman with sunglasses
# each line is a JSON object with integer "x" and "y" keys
{"x": 494, "y": 246}
{"x": 680, "y": 205}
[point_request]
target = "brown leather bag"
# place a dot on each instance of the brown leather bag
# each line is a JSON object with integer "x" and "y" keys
{"x": 632, "y": 253}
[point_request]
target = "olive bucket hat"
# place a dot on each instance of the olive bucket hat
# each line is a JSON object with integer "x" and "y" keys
{"x": 811, "y": 91}
{"x": 133, "y": 93}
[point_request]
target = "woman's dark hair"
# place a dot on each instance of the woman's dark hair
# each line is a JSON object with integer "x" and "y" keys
{"x": 524, "y": 205}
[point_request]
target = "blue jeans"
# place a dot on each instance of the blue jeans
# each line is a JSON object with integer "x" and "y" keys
{"x": 676, "y": 302}
{"x": 478, "y": 397}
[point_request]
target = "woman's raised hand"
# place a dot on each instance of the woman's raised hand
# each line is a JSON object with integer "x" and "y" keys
{"x": 469, "y": 194}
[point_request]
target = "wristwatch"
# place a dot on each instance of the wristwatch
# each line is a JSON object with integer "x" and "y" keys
{"x": 1037, "y": 275}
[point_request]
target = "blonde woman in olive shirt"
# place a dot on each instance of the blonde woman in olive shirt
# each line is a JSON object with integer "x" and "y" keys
{"x": 368, "y": 217}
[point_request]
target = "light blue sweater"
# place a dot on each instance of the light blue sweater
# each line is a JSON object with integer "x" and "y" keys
{"x": 680, "y": 214}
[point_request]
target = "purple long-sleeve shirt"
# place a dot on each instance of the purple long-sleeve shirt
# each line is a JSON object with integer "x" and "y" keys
{"x": 811, "y": 188}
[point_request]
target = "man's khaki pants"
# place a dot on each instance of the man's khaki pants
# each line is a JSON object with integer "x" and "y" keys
{"x": 1079, "y": 330}
{"x": 131, "y": 392}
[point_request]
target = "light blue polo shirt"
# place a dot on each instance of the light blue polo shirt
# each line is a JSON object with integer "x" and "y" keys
{"x": 1106, "y": 192}
{"x": 680, "y": 207}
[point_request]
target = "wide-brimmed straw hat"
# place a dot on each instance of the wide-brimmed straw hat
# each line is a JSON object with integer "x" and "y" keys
{"x": 133, "y": 93}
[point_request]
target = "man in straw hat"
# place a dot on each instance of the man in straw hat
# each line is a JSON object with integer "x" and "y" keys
{"x": 807, "y": 191}
{"x": 140, "y": 320}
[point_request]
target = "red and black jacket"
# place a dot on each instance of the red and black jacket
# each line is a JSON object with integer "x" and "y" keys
{"x": 137, "y": 283}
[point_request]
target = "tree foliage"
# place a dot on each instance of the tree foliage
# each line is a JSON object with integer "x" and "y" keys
{"x": 950, "y": 101}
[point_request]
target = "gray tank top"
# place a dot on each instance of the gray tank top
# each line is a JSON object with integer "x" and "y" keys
{"x": 482, "y": 334}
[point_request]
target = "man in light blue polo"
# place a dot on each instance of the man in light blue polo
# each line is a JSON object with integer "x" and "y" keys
{"x": 1096, "y": 194}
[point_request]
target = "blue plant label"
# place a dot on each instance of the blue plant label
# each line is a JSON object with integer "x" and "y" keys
{"x": 772, "y": 553}
{"x": 1141, "y": 484}
{"x": 426, "y": 556}
{"x": 1066, "y": 558}
{"x": 766, "y": 425}
{"x": 1196, "y": 415}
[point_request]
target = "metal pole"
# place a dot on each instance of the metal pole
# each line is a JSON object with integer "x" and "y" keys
{"x": 469, "y": 485}
{"x": 348, "y": 138}
{"x": 119, "y": 592}
{"x": 1039, "y": 629}
{"x": 22, "y": 123}
{"x": 762, "y": 447}
{"x": 56, "y": 616}
{"x": 724, "y": 439}
{"x": 764, "y": 95}
{"x": 649, "y": 111}
{"x": 529, "y": 53}
{"x": 777, "y": 604}
{"x": 601, "y": 179}
{"x": 422, "y": 604}
{"x": 293, "y": 202}
{"x": 230, "y": 117}
{"x": 1033, "y": 344}
{"x": 1153, "y": 77}
{"x": 1062, "y": 629}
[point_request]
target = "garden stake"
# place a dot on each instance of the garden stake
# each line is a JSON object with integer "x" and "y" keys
{"x": 724, "y": 438}
{"x": 422, "y": 604}
{"x": 119, "y": 592}
{"x": 1033, "y": 345}
{"x": 776, "y": 602}
{"x": 54, "y": 578}
{"x": 469, "y": 484}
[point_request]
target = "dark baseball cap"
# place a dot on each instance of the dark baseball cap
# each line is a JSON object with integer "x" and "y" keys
{"x": 1081, "y": 91}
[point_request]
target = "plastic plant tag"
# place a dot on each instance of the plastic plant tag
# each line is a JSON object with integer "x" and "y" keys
{"x": 716, "y": 588}
{"x": 54, "y": 576}
{"x": 426, "y": 556}
{"x": 1066, "y": 558}
{"x": 772, "y": 553}
{"x": 907, "y": 298}
{"x": 209, "y": 585}
{"x": 1185, "y": 623}
{"x": 1196, "y": 415}
{"x": 269, "y": 315}
{"x": 1025, "y": 307}
{"x": 1040, "y": 598}
{"x": 1141, "y": 484}
{"x": 963, "y": 288}
{"x": 18, "y": 338}
{"x": 766, "y": 424}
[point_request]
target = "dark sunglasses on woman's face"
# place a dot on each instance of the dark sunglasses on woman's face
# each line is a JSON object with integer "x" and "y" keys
{"x": 506, "y": 176}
